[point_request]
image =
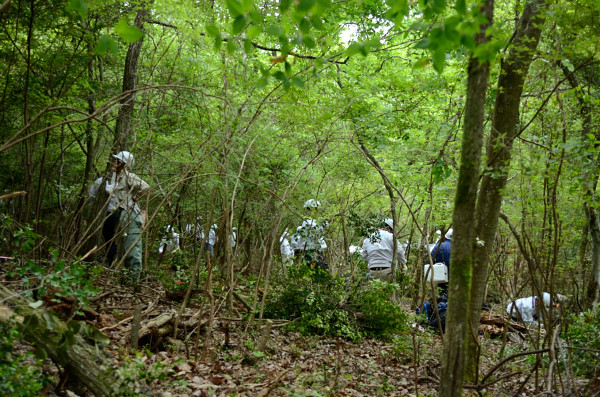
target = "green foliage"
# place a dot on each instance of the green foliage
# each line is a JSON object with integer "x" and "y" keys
{"x": 63, "y": 278}
{"x": 144, "y": 367}
{"x": 128, "y": 33}
{"x": 414, "y": 345}
{"x": 17, "y": 376}
{"x": 313, "y": 300}
{"x": 325, "y": 305}
{"x": 382, "y": 316}
{"x": 584, "y": 338}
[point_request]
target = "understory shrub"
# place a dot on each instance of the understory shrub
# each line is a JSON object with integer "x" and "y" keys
{"x": 382, "y": 316}
{"x": 17, "y": 377}
{"x": 330, "y": 305}
{"x": 584, "y": 339}
{"x": 313, "y": 299}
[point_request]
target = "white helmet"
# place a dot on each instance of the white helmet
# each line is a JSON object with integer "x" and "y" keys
{"x": 312, "y": 203}
{"x": 126, "y": 158}
{"x": 449, "y": 234}
{"x": 389, "y": 222}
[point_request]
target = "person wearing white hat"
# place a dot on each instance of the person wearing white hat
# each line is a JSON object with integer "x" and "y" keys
{"x": 126, "y": 188}
{"x": 527, "y": 309}
{"x": 378, "y": 250}
{"x": 233, "y": 237}
{"x": 309, "y": 241}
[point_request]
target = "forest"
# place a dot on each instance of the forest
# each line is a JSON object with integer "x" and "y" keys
{"x": 208, "y": 134}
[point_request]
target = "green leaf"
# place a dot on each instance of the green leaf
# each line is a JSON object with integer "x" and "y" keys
{"x": 309, "y": 41}
{"x": 439, "y": 57}
{"x": 317, "y": 22}
{"x": 212, "y": 30}
{"x": 353, "y": 49}
{"x": 248, "y": 47}
{"x": 235, "y": 8}
{"x": 74, "y": 326}
{"x": 261, "y": 83}
{"x": 218, "y": 42}
{"x": 36, "y": 304}
{"x": 425, "y": 43}
{"x": 284, "y": 5}
{"x": 128, "y": 33}
{"x": 279, "y": 75}
{"x": 439, "y": 6}
{"x": 231, "y": 47}
{"x": 298, "y": 82}
{"x": 247, "y": 5}
{"x": 468, "y": 41}
{"x": 255, "y": 17}
{"x": 421, "y": 63}
{"x": 288, "y": 68}
{"x": 461, "y": 7}
{"x": 106, "y": 44}
{"x": 304, "y": 25}
{"x": 40, "y": 353}
{"x": 238, "y": 24}
{"x": 253, "y": 31}
{"x": 80, "y": 6}
{"x": 568, "y": 64}
{"x": 274, "y": 30}
{"x": 305, "y": 5}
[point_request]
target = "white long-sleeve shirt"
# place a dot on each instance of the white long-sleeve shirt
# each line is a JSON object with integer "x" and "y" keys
{"x": 309, "y": 236}
{"x": 286, "y": 250}
{"x": 125, "y": 188}
{"x": 523, "y": 308}
{"x": 93, "y": 192}
{"x": 169, "y": 242}
{"x": 378, "y": 250}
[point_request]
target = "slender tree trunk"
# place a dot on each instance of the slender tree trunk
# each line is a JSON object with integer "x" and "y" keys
{"x": 451, "y": 382}
{"x": 123, "y": 124}
{"x": 504, "y": 128}
{"x": 26, "y": 200}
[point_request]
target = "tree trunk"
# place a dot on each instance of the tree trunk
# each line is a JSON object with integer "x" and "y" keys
{"x": 123, "y": 125}
{"x": 66, "y": 346}
{"x": 451, "y": 382}
{"x": 504, "y": 129}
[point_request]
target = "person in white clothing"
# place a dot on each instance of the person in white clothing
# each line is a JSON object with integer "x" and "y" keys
{"x": 169, "y": 241}
{"x": 109, "y": 225}
{"x": 378, "y": 251}
{"x": 309, "y": 241}
{"x": 527, "y": 309}
{"x": 233, "y": 237}
{"x": 287, "y": 254}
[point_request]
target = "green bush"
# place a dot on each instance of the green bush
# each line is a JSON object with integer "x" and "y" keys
{"x": 382, "y": 316}
{"x": 313, "y": 299}
{"x": 326, "y": 305}
{"x": 17, "y": 378}
{"x": 584, "y": 338}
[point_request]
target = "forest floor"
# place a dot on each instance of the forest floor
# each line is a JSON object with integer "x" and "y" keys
{"x": 291, "y": 364}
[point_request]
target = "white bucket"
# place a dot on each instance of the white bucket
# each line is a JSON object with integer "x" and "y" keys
{"x": 438, "y": 275}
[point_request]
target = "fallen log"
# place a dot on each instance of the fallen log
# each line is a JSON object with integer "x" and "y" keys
{"x": 75, "y": 346}
{"x": 156, "y": 323}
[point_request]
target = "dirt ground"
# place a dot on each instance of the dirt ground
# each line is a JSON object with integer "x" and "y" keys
{"x": 290, "y": 364}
